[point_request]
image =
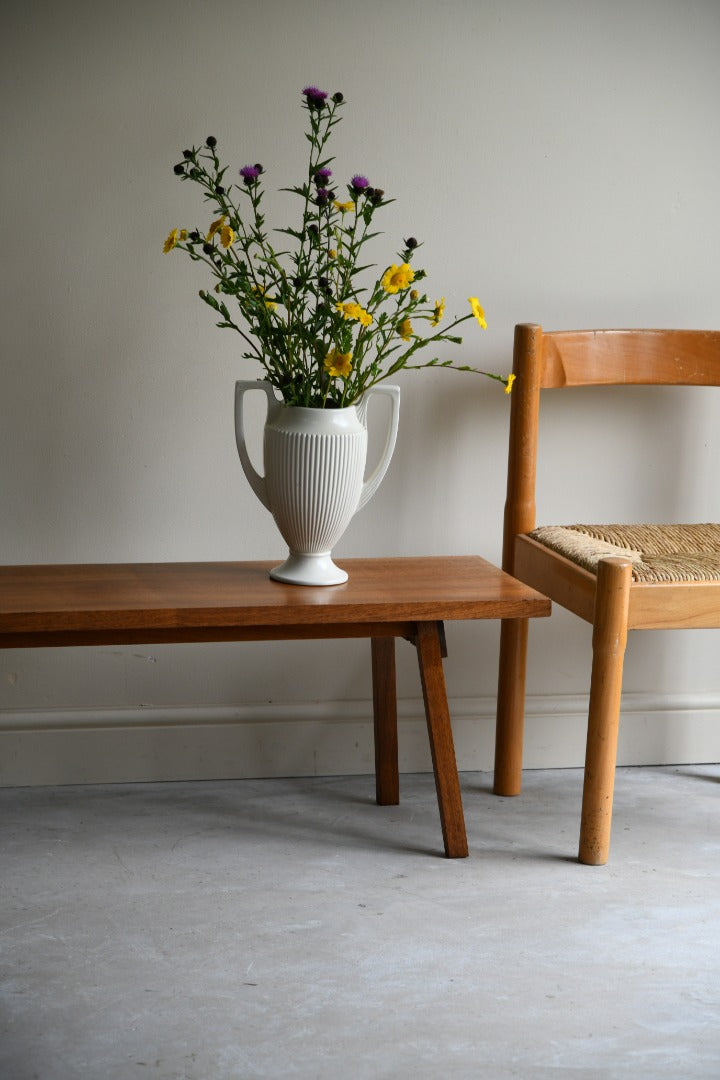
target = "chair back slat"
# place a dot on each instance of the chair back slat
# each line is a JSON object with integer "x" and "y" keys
{"x": 631, "y": 357}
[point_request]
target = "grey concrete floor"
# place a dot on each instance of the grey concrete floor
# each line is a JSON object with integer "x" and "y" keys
{"x": 292, "y": 928}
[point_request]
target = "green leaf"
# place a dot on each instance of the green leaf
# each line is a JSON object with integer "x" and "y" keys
{"x": 210, "y": 300}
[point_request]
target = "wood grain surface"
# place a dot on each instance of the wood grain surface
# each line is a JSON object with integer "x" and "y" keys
{"x": 188, "y": 601}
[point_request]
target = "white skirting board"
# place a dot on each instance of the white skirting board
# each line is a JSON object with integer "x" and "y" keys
{"x": 328, "y": 738}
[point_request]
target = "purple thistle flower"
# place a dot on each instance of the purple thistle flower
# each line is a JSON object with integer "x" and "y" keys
{"x": 250, "y": 173}
{"x": 322, "y": 176}
{"x": 315, "y": 98}
{"x": 323, "y": 196}
{"x": 359, "y": 183}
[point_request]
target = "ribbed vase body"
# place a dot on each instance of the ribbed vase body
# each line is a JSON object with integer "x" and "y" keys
{"x": 314, "y": 466}
{"x": 314, "y": 481}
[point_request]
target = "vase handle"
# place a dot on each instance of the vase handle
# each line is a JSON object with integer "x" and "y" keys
{"x": 256, "y": 481}
{"x": 373, "y": 482}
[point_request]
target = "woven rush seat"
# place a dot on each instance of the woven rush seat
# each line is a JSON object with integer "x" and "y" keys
{"x": 659, "y": 553}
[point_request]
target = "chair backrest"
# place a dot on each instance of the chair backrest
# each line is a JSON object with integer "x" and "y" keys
{"x": 559, "y": 359}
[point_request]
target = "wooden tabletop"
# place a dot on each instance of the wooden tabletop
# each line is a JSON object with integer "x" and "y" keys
{"x": 152, "y": 602}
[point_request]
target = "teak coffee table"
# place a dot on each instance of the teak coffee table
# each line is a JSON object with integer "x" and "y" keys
{"x": 153, "y": 603}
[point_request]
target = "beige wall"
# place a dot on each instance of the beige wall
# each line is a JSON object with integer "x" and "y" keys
{"x": 558, "y": 159}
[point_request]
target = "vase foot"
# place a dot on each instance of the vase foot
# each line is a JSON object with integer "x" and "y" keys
{"x": 309, "y": 570}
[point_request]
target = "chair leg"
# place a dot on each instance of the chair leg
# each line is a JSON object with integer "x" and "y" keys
{"x": 510, "y": 707}
{"x": 609, "y": 640}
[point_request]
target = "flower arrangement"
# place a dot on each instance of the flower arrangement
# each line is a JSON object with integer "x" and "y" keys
{"x": 321, "y": 335}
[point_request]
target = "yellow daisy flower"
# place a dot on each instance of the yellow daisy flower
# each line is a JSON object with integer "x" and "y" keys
{"x": 396, "y": 278}
{"x": 405, "y": 330}
{"x": 344, "y": 207}
{"x": 438, "y": 312}
{"x": 227, "y": 236}
{"x": 269, "y": 304}
{"x": 337, "y": 364}
{"x": 354, "y": 311}
{"x": 171, "y": 241}
{"x": 215, "y": 227}
{"x": 509, "y": 384}
{"x": 477, "y": 311}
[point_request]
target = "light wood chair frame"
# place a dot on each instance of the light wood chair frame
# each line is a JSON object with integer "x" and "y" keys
{"x": 610, "y": 600}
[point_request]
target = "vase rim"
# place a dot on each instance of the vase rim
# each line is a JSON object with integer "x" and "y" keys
{"x": 316, "y": 409}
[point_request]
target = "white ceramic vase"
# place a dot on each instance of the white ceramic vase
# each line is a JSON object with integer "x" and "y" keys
{"x": 314, "y": 461}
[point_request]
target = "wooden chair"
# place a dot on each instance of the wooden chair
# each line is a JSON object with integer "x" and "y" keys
{"x": 618, "y": 577}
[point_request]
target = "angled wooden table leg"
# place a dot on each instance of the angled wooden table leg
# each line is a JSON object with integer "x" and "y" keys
{"x": 387, "y": 780}
{"x": 447, "y": 782}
